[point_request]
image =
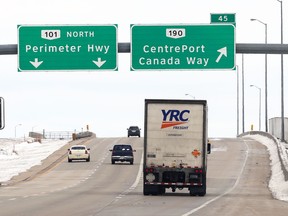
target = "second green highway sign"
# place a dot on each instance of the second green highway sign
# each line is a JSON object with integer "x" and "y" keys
{"x": 182, "y": 47}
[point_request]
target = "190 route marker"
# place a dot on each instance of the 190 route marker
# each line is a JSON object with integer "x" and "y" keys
{"x": 182, "y": 47}
{"x": 68, "y": 47}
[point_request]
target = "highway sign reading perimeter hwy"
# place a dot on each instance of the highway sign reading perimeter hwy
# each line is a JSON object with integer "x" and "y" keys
{"x": 45, "y": 48}
{"x": 183, "y": 47}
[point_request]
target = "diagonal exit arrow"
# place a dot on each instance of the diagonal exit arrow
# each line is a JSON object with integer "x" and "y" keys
{"x": 222, "y": 51}
{"x": 36, "y": 63}
{"x": 99, "y": 62}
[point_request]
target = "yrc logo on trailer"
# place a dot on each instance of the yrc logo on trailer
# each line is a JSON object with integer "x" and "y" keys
{"x": 174, "y": 118}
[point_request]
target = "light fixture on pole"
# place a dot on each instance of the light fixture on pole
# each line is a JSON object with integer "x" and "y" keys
{"x": 266, "y": 78}
{"x": 190, "y": 95}
{"x": 259, "y": 105}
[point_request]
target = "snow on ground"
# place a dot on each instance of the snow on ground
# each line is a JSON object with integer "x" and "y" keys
{"x": 17, "y": 156}
{"x": 277, "y": 184}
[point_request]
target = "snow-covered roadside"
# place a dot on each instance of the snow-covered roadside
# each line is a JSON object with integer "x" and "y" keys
{"x": 277, "y": 183}
{"x": 18, "y": 156}
{"x": 28, "y": 154}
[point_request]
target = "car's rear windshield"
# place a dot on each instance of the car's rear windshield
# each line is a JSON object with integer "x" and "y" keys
{"x": 78, "y": 148}
{"x": 122, "y": 148}
{"x": 134, "y": 128}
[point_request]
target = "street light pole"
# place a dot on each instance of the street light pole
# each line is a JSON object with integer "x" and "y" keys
{"x": 34, "y": 127}
{"x": 237, "y": 70}
{"x": 16, "y": 129}
{"x": 282, "y": 79}
{"x": 259, "y": 105}
{"x": 243, "y": 95}
{"x": 266, "y": 79}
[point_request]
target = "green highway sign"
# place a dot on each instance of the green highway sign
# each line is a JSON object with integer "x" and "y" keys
{"x": 182, "y": 47}
{"x": 223, "y": 18}
{"x": 67, "y": 48}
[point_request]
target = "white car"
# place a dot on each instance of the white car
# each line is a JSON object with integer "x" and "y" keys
{"x": 78, "y": 152}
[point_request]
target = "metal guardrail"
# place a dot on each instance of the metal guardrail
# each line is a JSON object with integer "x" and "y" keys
{"x": 58, "y": 135}
{"x": 81, "y": 135}
{"x": 62, "y": 135}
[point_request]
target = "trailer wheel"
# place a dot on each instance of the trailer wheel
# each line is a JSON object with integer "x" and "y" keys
{"x": 200, "y": 191}
{"x": 202, "y": 194}
{"x": 192, "y": 193}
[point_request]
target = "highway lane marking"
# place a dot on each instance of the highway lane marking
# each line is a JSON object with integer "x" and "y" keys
{"x": 136, "y": 182}
{"x": 98, "y": 165}
{"x": 228, "y": 191}
{"x": 219, "y": 149}
{"x": 12, "y": 199}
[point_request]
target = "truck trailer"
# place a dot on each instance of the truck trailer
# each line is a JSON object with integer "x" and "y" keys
{"x": 175, "y": 146}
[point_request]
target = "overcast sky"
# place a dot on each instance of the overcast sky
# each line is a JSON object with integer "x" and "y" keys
{"x": 111, "y": 101}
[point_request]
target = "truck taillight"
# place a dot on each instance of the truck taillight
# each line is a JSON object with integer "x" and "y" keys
{"x": 149, "y": 170}
{"x": 198, "y": 171}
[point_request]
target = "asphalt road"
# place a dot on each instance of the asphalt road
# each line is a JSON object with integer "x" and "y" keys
{"x": 238, "y": 175}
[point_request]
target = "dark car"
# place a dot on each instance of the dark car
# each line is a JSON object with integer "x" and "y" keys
{"x": 133, "y": 131}
{"x": 122, "y": 153}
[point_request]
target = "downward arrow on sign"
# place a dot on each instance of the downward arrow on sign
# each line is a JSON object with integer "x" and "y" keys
{"x": 99, "y": 62}
{"x": 222, "y": 51}
{"x": 36, "y": 63}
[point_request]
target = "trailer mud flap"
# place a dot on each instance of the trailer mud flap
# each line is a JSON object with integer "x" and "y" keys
{"x": 151, "y": 189}
{"x": 198, "y": 190}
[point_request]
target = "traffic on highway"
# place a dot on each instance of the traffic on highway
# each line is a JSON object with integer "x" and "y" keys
{"x": 237, "y": 180}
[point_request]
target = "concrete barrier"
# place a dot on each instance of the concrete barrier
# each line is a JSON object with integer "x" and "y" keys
{"x": 277, "y": 143}
{"x": 81, "y": 135}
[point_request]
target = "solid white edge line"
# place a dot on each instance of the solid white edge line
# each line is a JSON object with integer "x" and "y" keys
{"x": 139, "y": 174}
{"x": 228, "y": 191}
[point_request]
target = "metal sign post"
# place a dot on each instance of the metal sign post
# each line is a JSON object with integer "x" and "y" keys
{"x": 2, "y": 114}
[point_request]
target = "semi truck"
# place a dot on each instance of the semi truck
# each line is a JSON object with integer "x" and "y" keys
{"x": 175, "y": 146}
